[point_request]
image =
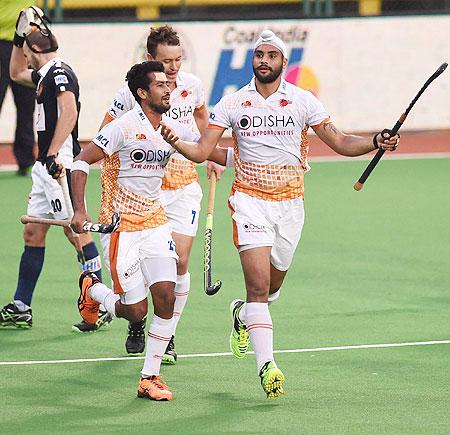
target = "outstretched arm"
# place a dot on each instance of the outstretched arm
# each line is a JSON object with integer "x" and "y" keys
{"x": 351, "y": 145}
{"x": 195, "y": 151}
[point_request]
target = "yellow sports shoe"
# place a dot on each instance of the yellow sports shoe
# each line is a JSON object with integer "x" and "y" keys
{"x": 272, "y": 380}
{"x": 154, "y": 388}
{"x": 87, "y": 307}
{"x": 239, "y": 338}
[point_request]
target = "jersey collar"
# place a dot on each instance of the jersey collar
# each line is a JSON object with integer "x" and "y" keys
{"x": 43, "y": 70}
{"x": 142, "y": 117}
{"x": 282, "y": 89}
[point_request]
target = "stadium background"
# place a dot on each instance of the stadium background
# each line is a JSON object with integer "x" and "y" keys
{"x": 372, "y": 268}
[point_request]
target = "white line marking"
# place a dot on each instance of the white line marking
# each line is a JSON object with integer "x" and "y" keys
{"x": 209, "y": 355}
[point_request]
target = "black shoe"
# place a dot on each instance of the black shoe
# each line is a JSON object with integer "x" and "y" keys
{"x": 136, "y": 337}
{"x": 104, "y": 319}
{"x": 11, "y": 316}
{"x": 170, "y": 356}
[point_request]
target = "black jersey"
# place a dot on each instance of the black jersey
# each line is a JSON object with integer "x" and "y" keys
{"x": 55, "y": 76}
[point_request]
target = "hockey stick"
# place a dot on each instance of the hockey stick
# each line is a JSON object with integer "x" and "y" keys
{"x": 210, "y": 289}
{"x": 62, "y": 181}
{"x": 371, "y": 166}
{"x": 87, "y": 226}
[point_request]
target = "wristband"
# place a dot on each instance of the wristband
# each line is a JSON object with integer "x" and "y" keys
{"x": 374, "y": 141}
{"x": 80, "y": 165}
{"x": 230, "y": 157}
{"x": 18, "y": 40}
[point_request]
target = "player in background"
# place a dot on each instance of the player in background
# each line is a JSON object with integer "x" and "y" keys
{"x": 269, "y": 119}
{"x": 35, "y": 63}
{"x": 181, "y": 192}
{"x": 141, "y": 252}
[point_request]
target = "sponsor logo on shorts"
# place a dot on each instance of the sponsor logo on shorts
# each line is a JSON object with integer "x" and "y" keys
{"x": 252, "y": 228}
{"x": 132, "y": 269}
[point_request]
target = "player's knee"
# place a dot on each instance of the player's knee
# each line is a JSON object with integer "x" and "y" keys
{"x": 164, "y": 300}
{"x": 32, "y": 236}
{"x": 183, "y": 264}
{"x": 258, "y": 289}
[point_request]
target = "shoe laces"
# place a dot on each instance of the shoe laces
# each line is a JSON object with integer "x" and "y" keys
{"x": 156, "y": 381}
{"x": 136, "y": 330}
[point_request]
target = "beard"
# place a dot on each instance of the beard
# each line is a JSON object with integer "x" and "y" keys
{"x": 268, "y": 78}
{"x": 159, "y": 108}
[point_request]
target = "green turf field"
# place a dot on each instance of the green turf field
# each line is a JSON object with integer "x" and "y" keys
{"x": 372, "y": 268}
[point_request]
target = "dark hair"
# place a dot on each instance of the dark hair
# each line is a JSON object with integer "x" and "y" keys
{"x": 161, "y": 35}
{"x": 138, "y": 76}
{"x": 46, "y": 43}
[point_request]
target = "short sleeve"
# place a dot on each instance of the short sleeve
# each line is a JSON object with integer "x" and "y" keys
{"x": 64, "y": 80}
{"x": 220, "y": 116}
{"x": 110, "y": 138}
{"x": 316, "y": 113}
{"x": 199, "y": 95}
{"x": 123, "y": 102}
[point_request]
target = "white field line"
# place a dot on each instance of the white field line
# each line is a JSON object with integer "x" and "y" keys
{"x": 209, "y": 355}
{"x": 333, "y": 158}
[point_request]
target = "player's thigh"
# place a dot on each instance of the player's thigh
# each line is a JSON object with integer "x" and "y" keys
{"x": 125, "y": 265}
{"x": 182, "y": 208}
{"x": 288, "y": 231}
{"x": 46, "y": 197}
{"x": 251, "y": 223}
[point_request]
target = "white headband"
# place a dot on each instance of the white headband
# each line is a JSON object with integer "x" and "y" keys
{"x": 268, "y": 37}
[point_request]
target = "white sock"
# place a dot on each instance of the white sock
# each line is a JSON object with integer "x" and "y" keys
{"x": 159, "y": 335}
{"x": 241, "y": 313}
{"x": 274, "y": 296}
{"x": 259, "y": 327}
{"x": 105, "y": 296}
{"x": 21, "y": 306}
{"x": 181, "y": 295}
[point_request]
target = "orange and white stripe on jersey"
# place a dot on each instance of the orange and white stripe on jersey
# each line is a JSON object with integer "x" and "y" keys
{"x": 269, "y": 182}
{"x": 270, "y": 138}
{"x": 136, "y": 211}
{"x": 178, "y": 173}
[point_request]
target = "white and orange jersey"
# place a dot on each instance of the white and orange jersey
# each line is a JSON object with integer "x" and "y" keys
{"x": 135, "y": 158}
{"x": 270, "y": 138}
{"x": 184, "y": 99}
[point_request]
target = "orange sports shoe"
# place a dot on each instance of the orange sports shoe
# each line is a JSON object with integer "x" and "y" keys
{"x": 154, "y": 388}
{"x": 87, "y": 307}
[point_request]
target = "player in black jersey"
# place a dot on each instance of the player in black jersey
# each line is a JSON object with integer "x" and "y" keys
{"x": 35, "y": 63}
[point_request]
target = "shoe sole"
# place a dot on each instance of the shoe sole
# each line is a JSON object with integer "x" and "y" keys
{"x": 231, "y": 338}
{"x": 16, "y": 325}
{"x": 75, "y": 329}
{"x": 146, "y": 396}
{"x": 274, "y": 386}
{"x": 168, "y": 360}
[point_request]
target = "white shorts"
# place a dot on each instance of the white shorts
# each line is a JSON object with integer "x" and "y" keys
{"x": 139, "y": 259}
{"x": 182, "y": 208}
{"x": 278, "y": 224}
{"x": 46, "y": 199}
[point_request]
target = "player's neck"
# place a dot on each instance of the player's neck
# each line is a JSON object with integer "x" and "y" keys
{"x": 153, "y": 117}
{"x": 172, "y": 85}
{"x": 45, "y": 58}
{"x": 267, "y": 89}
